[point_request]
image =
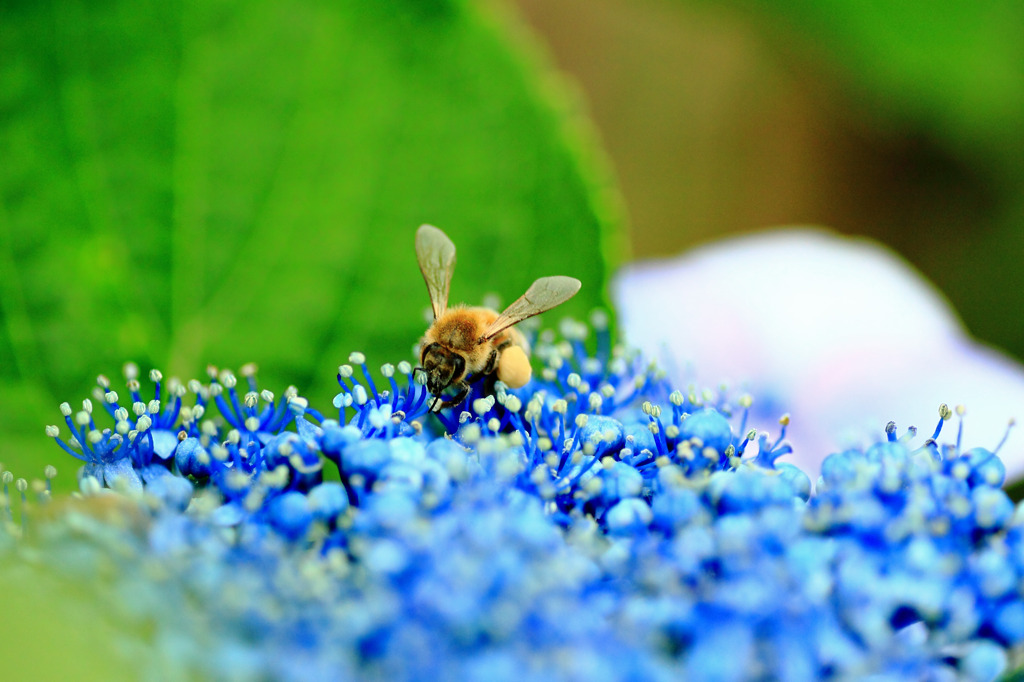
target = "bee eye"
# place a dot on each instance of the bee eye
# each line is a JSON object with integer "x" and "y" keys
{"x": 430, "y": 354}
{"x": 459, "y": 367}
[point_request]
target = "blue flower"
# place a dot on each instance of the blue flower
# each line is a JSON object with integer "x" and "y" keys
{"x": 597, "y": 522}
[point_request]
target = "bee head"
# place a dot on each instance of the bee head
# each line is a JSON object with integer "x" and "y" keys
{"x": 443, "y": 367}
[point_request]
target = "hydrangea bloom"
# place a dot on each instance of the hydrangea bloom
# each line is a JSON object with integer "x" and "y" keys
{"x": 839, "y": 332}
{"x": 598, "y": 523}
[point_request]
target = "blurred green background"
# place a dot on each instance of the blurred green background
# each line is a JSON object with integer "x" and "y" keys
{"x": 900, "y": 120}
{"x": 183, "y": 184}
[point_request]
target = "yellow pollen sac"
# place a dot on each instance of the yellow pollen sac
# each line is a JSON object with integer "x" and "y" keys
{"x": 514, "y": 367}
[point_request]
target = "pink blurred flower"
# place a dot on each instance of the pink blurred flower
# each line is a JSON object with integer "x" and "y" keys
{"x": 841, "y": 333}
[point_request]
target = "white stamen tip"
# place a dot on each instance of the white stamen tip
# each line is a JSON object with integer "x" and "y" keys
{"x": 65, "y": 409}
{"x": 356, "y": 358}
{"x": 482, "y": 405}
{"x": 404, "y": 367}
{"x": 268, "y": 396}
{"x": 130, "y": 370}
{"x": 153, "y": 407}
{"x": 52, "y": 431}
{"x": 345, "y": 371}
{"x": 156, "y": 375}
{"x": 50, "y": 471}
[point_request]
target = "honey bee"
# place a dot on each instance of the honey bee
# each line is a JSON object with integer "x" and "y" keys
{"x": 476, "y": 341}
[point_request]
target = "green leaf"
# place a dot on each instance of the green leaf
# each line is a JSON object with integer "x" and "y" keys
{"x": 222, "y": 183}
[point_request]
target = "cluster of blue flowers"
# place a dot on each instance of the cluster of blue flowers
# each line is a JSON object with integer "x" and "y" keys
{"x": 595, "y": 524}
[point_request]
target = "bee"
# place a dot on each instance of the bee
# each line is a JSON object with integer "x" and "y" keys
{"x": 476, "y": 341}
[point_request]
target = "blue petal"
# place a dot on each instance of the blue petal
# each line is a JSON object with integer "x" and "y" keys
{"x": 121, "y": 473}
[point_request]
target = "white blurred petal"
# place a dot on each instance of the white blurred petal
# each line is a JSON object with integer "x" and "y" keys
{"x": 839, "y": 332}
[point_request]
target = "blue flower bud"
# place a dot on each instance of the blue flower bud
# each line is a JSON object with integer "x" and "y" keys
{"x": 290, "y": 514}
{"x": 327, "y": 501}
{"x": 675, "y": 508}
{"x": 628, "y": 516}
{"x": 192, "y": 459}
{"x": 709, "y": 426}
{"x": 986, "y": 468}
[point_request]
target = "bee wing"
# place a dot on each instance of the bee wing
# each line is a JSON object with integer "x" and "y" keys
{"x": 436, "y": 256}
{"x": 544, "y": 294}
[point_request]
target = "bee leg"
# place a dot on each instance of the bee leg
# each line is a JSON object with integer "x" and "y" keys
{"x": 458, "y": 397}
{"x": 492, "y": 362}
{"x": 489, "y": 382}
